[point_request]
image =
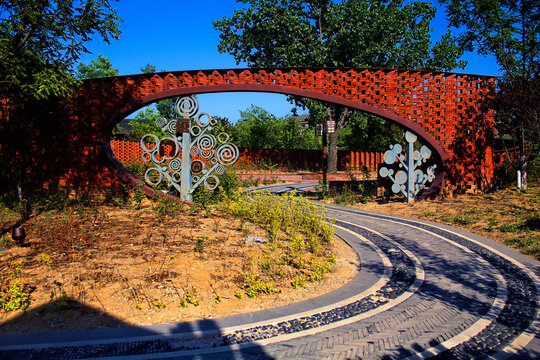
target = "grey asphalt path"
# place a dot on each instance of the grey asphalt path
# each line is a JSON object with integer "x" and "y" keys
{"x": 424, "y": 291}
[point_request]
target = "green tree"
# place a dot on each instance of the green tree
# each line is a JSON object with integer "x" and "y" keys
{"x": 259, "y": 129}
{"x": 369, "y": 133}
{"x": 148, "y": 69}
{"x": 145, "y": 123}
{"x": 509, "y": 30}
{"x": 98, "y": 68}
{"x": 255, "y": 129}
{"x": 40, "y": 43}
{"x": 292, "y": 135}
{"x": 223, "y": 124}
{"x": 357, "y": 33}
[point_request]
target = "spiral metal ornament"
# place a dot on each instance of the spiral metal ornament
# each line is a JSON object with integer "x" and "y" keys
{"x": 175, "y": 165}
{"x": 206, "y": 142}
{"x": 197, "y": 166}
{"x": 155, "y": 141}
{"x": 172, "y": 142}
{"x": 172, "y": 127}
{"x": 211, "y": 182}
{"x": 223, "y": 137}
{"x": 176, "y": 176}
{"x": 194, "y": 151}
{"x": 227, "y": 154}
{"x": 220, "y": 169}
{"x": 161, "y": 122}
{"x": 187, "y": 106}
{"x": 153, "y": 176}
{"x": 195, "y": 130}
{"x": 209, "y": 122}
{"x": 207, "y": 154}
{"x": 196, "y": 154}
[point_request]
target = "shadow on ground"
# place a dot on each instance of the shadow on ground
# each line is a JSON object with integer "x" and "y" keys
{"x": 20, "y": 339}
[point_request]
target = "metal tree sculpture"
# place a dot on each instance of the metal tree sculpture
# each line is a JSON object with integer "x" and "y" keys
{"x": 411, "y": 180}
{"x": 185, "y": 167}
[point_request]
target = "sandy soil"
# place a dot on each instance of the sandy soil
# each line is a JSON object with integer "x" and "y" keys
{"x": 111, "y": 266}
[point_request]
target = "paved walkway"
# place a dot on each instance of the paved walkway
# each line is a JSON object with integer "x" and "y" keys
{"x": 424, "y": 290}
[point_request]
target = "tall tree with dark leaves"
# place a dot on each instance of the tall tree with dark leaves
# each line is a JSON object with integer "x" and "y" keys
{"x": 349, "y": 33}
{"x": 510, "y": 31}
{"x": 40, "y": 43}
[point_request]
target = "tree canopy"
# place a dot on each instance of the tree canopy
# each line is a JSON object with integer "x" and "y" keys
{"x": 359, "y": 33}
{"x": 509, "y": 30}
{"x": 98, "y": 68}
{"x": 355, "y": 33}
{"x": 42, "y": 40}
{"x": 259, "y": 129}
{"x": 40, "y": 43}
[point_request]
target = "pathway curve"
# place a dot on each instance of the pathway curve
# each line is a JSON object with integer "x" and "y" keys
{"x": 424, "y": 290}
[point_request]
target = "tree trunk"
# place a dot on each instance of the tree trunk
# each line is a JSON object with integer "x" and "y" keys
{"x": 523, "y": 160}
{"x": 332, "y": 152}
{"x": 340, "y": 123}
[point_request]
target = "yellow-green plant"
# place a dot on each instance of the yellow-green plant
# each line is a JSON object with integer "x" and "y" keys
{"x": 190, "y": 298}
{"x": 289, "y": 212}
{"x": 318, "y": 270}
{"x": 14, "y": 298}
{"x": 298, "y": 234}
{"x": 12, "y": 294}
{"x": 159, "y": 304}
{"x": 45, "y": 259}
{"x": 298, "y": 281}
{"x": 256, "y": 286}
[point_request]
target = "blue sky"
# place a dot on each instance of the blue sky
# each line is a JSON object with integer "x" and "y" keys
{"x": 178, "y": 35}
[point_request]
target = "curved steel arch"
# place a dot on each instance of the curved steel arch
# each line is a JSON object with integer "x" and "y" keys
{"x": 126, "y": 176}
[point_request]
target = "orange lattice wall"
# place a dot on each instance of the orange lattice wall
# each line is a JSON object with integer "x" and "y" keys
{"x": 131, "y": 151}
{"x": 68, "y": 145}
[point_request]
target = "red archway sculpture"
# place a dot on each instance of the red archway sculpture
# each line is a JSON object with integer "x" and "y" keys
{"x": 445, "y": 109}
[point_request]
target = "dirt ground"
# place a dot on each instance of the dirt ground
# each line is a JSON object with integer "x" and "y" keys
{"x": 119, "y": 266}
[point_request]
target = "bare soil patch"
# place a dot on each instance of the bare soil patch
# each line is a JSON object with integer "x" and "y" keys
{"x": 107, "y": 266}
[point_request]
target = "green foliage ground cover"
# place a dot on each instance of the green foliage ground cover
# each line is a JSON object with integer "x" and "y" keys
{"x": 298, "y": 238}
